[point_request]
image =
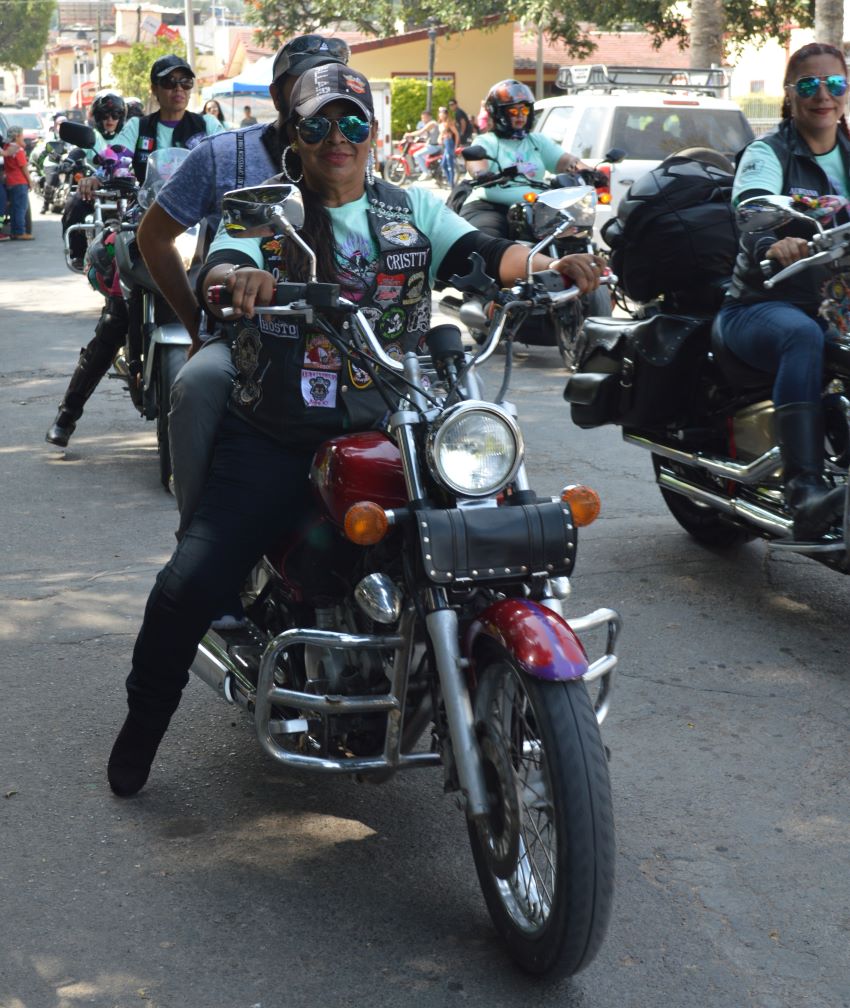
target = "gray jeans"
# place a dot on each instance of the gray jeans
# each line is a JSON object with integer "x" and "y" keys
{"x": 198, "y": 401}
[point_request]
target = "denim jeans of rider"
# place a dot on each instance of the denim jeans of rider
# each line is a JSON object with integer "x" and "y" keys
{"x": 255, "y": 492}
{"x": 198, "y": 402}
{"x": 18, "y": 202}
{"x": 781, "y": 339}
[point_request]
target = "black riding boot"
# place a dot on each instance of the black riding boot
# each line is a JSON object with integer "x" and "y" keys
{"x": 92, "y": 366}
{"x": 814, "y": 505}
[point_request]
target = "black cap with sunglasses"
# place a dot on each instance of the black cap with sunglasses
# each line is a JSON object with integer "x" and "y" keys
{"x": 308, "y": 51}
{"x": 165, "y": 64}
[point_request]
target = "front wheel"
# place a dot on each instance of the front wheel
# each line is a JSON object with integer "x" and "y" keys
{"x": 545, "y": 853}
{"x": 396, "y": 170}
{"x": 170, "y": 358}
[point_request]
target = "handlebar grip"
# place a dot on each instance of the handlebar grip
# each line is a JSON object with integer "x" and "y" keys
{"x": 219, "y": 295}
{"x": 770, "y": 267}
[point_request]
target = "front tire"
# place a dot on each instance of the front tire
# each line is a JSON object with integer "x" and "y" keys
{"x": 545, "y": 854}
{"x": 396, "y": 170}
{"x": 171, "y": 357}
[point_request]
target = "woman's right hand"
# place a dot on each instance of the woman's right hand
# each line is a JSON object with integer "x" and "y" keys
{"x": 788, "y": 250}
{"x": 248, "y": 286}
{"x": 87, "y": 187}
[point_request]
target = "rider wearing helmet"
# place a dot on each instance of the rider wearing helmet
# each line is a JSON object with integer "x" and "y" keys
{"x": 135, "y": 108}
{"x": 108, "y": 112}
{"x": 510, "y": 106}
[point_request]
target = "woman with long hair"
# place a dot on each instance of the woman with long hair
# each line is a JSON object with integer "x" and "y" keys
{"x": 385, "y": 247}
{"x": 779, "y": 330}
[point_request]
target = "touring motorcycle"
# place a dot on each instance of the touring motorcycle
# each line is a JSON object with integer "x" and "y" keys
{"x": 707, "y": 418}
{"x": 417, "y": 619}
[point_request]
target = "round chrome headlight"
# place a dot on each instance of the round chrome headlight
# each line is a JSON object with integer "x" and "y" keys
{"x": 475, "y": 449}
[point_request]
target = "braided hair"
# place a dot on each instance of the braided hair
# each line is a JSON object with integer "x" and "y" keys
{"x": 791, "y": 71}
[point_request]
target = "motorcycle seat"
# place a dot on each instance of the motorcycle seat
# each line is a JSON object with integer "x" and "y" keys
{"x": 739, "y": 374}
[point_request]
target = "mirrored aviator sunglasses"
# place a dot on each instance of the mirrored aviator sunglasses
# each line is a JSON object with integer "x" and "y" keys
{"x": 314, "y": 129}
{"x": 808, "y": 87}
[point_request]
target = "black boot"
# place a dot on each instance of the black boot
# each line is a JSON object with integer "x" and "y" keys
{"x": 92, "y": 366}
{"x": 814, "y": 505}
{"x": 132, "y": 755}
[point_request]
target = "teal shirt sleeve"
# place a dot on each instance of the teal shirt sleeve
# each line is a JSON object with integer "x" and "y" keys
{"x": 434, "y": 219}
{"x": 223, "y": 242}
{"x": 759, "y": 168}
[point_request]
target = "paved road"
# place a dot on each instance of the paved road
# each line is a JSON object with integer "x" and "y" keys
{"x": 229, "y": 884}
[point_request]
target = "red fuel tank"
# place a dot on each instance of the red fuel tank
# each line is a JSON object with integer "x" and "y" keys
{"x": 358, "y": 467}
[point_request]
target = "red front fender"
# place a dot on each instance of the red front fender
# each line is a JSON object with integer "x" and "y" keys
{"x": 542, "y": 643}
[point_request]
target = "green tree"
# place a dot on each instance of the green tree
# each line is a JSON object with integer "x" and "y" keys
{"x": 570, "y": 21}
{"x": 132, "y": 70}
{"x": 24, "y": 28}
{"x": 409, "y": 97}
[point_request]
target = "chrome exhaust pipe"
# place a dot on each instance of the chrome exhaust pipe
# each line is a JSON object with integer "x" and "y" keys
{"x": 213, "y": 665}
{"x": 763, "y": 518}
{"x": 753, "y": 472}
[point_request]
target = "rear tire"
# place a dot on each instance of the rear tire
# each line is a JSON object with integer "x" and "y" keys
{"x": 701, "y": 521}
{"x": 545, "y": 854}
{"x": 171, "y": 358}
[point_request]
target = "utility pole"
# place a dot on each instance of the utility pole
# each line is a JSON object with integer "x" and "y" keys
{"x": 99, "y": 52}
{"x": 432, "y": 45}
{"x": 190, "y": 33}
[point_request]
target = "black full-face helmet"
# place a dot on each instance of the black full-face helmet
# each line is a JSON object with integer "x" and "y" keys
{"x": 108, "y": 103}
{"x": 508, "y": 94}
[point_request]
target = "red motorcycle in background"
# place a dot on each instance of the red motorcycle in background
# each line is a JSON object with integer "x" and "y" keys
{"x": 417, "y": 618}
{"x": 401, "y": 168}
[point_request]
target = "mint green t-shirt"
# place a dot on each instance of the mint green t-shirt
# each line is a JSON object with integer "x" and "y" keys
{"x": 356, "y": 250}
{"x": 760, "y": 168}
{"x": 534, "y": 155}
{"x": 130, "y": 134}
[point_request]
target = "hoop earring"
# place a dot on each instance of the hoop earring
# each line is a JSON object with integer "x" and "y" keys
{"x": 285, "y": 170}
{"x": 370, "y": 169}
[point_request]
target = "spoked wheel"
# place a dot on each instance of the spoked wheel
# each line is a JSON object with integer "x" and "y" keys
{"x": 706, "y": 524}
{"x": 172, "y": 357}
{"x": 545, "y": 853}
{"x": 396, "y": 170}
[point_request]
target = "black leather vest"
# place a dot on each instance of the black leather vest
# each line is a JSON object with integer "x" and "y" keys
{"x": 291, "y": 381}
{"x": 188, "y": 132}
{"x": 801, "y": 174}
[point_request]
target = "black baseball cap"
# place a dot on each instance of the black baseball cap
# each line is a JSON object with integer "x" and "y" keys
{"x": 304, "y": 52}
{"x": 327, "y": 83}
{"x": 165, "y": 64}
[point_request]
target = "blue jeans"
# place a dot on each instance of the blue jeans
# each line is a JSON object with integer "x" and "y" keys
{"x": 420, "y": 155}
{"x": 255, "y": 492}
{"x": 779, "y": 338}
{"x": 18, "y": 199}
{"x": 448, "y": 160}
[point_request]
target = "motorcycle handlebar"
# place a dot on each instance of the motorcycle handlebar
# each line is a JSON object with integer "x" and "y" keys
{"x": 316, "y": 295}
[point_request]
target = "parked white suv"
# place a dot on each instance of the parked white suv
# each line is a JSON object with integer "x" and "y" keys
{"x": 607, "y": 110}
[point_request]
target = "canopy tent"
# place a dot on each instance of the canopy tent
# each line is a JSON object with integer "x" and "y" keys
{"x": 251, "y": 87}
{"x": 254, "y": 79}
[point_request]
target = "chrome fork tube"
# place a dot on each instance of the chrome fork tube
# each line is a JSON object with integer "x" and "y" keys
{"x": 443, "y": 630}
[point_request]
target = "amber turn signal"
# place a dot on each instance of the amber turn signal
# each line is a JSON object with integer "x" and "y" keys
{"x": 530, "y": 197}
{"x": 584, "y": 503}
{"x": 365, "y": 523}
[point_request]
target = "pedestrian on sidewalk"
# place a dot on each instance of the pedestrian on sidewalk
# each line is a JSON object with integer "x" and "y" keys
{"x": 18, "y": 183}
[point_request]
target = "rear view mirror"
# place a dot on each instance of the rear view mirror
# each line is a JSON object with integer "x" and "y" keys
{"x": 764, "y": 213}
{"x": 474, "y": 153}
{"x": 77, "y": 133}
{"x": 262, "y": 211}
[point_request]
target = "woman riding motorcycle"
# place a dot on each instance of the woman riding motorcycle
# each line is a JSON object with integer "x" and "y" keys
{"x": 107, "y": 113}
{"x": 778, "y": 330}
{"x": 384, "y": 246}
{"x": 510, "y": 106}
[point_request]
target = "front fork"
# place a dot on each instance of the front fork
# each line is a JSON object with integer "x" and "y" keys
{"x": 442, "y": 624}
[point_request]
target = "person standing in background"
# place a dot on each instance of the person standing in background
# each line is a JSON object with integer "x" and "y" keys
{"x": 248, "y": 119}
{"x": 464, "y": 126}
{"x": 18, "y": 183}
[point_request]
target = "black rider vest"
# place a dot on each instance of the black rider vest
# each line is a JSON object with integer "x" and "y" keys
{"x": 291, "y": 382}
{"x": 801, "y": 174}
{"x": 188, "y": 132}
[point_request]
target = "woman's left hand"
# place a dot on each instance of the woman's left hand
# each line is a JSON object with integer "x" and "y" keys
{"x": 582, "y": 268}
